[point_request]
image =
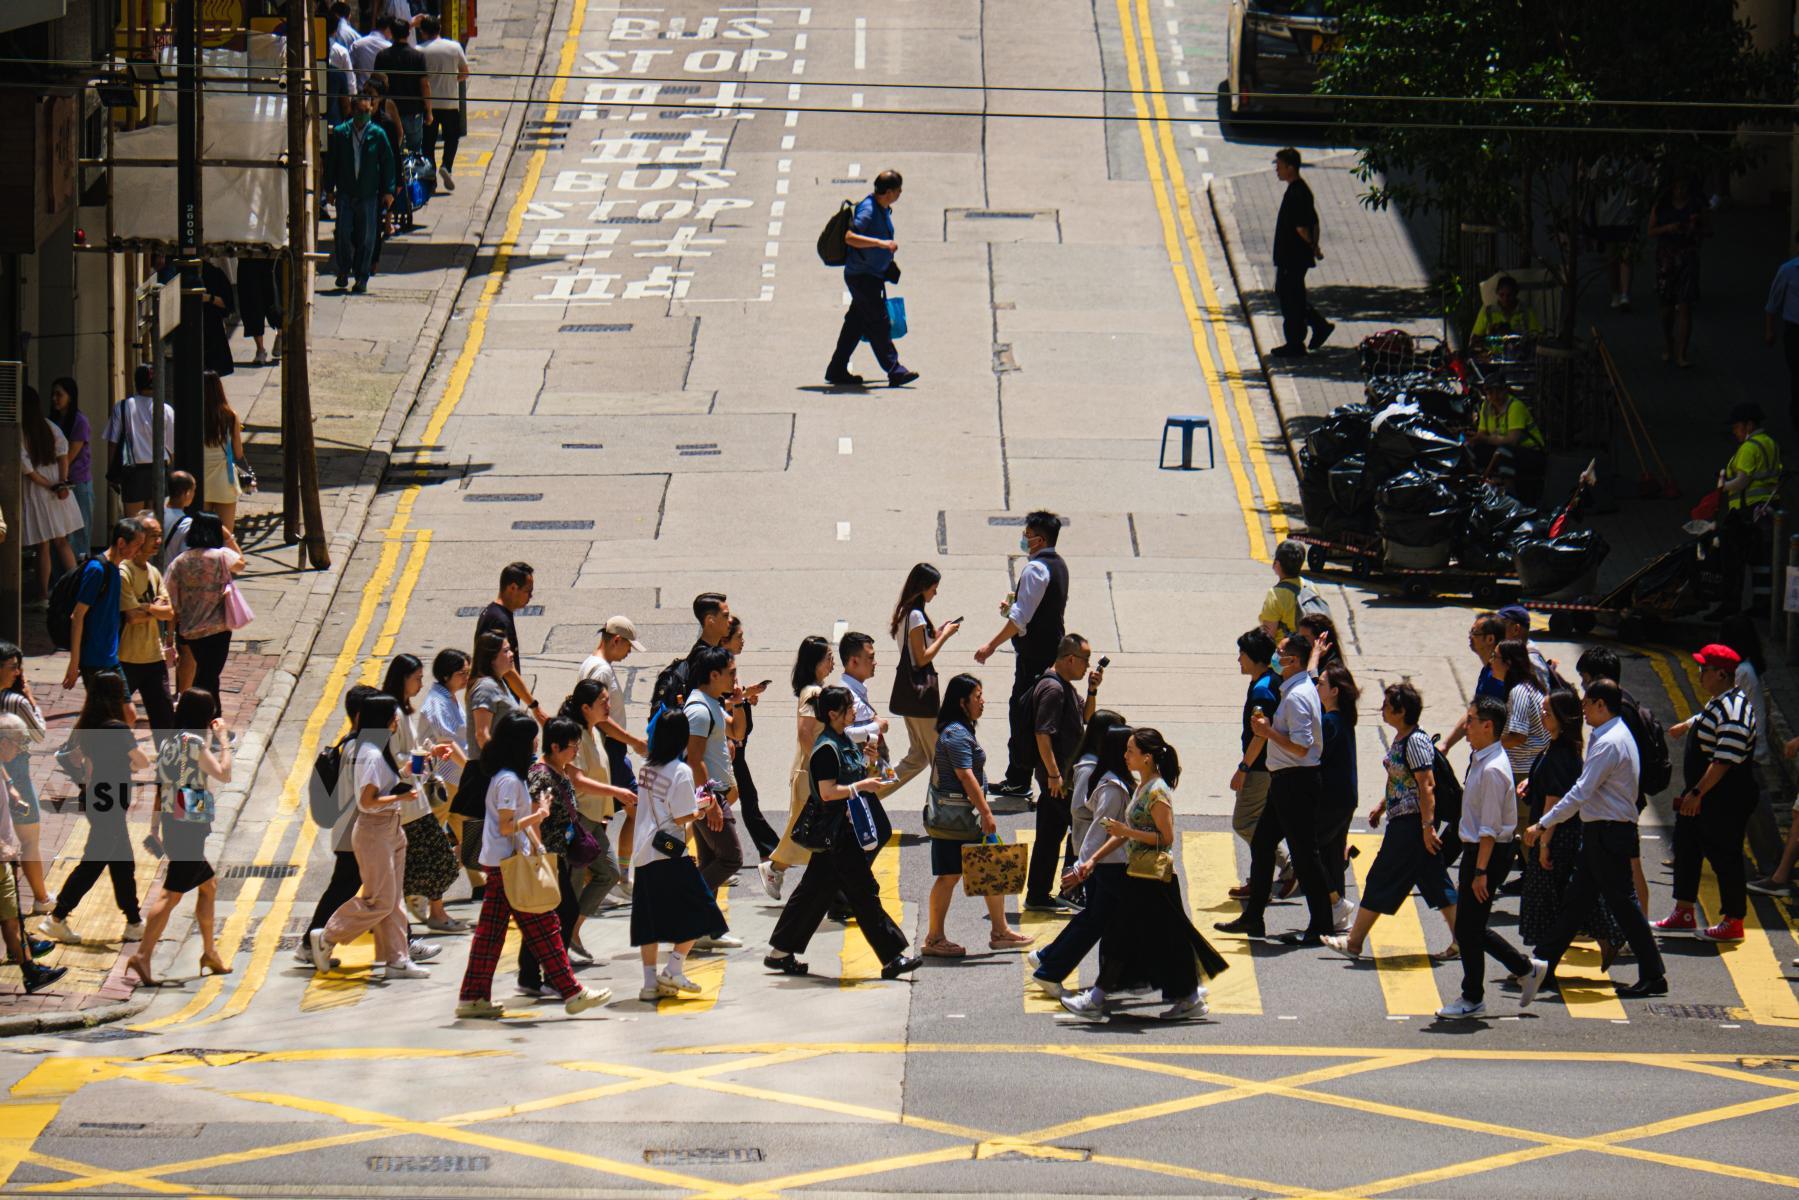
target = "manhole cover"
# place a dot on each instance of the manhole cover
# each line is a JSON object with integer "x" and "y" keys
{"x": 1699, "y": 1012}
{"x": 261, "y": 871}
{"x": 428, "y": 1163}
{"x": 105, "y": 1033}
{"x": 705, "y": 1156}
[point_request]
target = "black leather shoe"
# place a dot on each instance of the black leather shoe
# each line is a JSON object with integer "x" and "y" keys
{"x": 1292, "y": 350}
{"x": 1247, "y": 926}
{"x": 843, "y": 379}
{"x": 901, "y": 965}
{"x": 901, "y": 378}
{"x": 1644, "y": 987}
{"x": 786, "y": 964}
{"x": 1321, "y": 334}
{"x": 1298, "y": 938}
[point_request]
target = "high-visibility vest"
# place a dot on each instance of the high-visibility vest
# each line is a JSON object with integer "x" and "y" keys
{"x": 1758, "y": 458}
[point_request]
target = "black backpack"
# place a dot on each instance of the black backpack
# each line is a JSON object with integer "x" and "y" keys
{"x": 326, "y": 768}
{"x": 1449, "y": 806}
{"x": 1656, "y": 764}
{"x": 60, "y": 614}
{"x": 669, "y": 692}
{"x": 833, "y": 247}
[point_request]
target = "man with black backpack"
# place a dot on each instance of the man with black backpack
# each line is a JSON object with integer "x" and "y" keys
{"x": 868, "y": 268}
{"x": 84, "y": 607}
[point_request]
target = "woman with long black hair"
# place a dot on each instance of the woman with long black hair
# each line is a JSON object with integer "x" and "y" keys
{"x": 812, "y": 665}
{"x": 47, "y": 505}
{"x": 379, "y": 845}
{"x": 839, "y": 861}
{"x": 198, "y": 750}
{"x": 431, "y": 865}
{"x": 1149, "y": 938}
{"x": 65, "y": 411}
{"x": 670, "y": 902}
{"x": 960, "y": 770}
{"x": 597, "y": 798}
{"x": 106, "y": 745}
{"x": 1338, "y": 694}
{"x": 223, "y": 453}
{"x": 916, "y": 698}
{"x": 509, "y": 828}
{"x": 1107, "y": 797}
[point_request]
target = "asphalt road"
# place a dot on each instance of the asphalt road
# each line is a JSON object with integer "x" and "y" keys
{"x": 631, "y": 398}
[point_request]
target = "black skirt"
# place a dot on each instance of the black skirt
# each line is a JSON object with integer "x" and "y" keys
{"x": 671, "y": 903}
{"x": 185, "y": 844}
{"x": 1151, "y": 942}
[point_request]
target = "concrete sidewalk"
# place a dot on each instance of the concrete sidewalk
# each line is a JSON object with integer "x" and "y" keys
{"x": 369, "y": 357}
{"x": 1375, "y": 276}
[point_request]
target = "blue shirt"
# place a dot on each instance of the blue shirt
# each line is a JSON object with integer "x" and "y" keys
{"x": 1783, "y": 297}
{"x": 1300, "y": 718}
{"x": 872, "y": 220}
{"x": 1487, "y": 685}
{"x": 956, "y": 747}
{"x": 99, "y": 590}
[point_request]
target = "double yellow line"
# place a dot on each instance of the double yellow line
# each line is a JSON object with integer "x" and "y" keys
{"x": 1187, "y": 259}
{"x": 394, "y": 538}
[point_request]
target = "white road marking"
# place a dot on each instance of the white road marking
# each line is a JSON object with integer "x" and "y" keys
{"x": 793, "y": 118}
{"x": 855, "y": 99}
{"x": 768, "y": 270}
{"x": 844, "y": 446}
{"x": 1183, "y": 78}
{"x": 774, "y": 229}
{"x": 784, "y": 165}
{"x": 777, "y": 208}
{"x": 861, "y": 43}
{"x": 771, "y": 249}
{"x": 1174, "y": 27}
{"x": 787, "y": 142}
{"x": 1176, "y": 52}
{"x": 793, "y": 90}
{"x": 780, "y": 187}
{"x": 799, "y": 41}
{"x": 799, "y": 66}
{"x": 1189, "y": 103}
{"x": 855, "y": 170}
{"x": 838, "y": 629}
{"x": 1202, "y": 154}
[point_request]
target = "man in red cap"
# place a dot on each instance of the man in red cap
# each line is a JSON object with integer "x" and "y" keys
{"x": 1712, "y": 812}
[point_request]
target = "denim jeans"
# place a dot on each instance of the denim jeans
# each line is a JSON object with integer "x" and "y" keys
{"x": 358, "y": 225}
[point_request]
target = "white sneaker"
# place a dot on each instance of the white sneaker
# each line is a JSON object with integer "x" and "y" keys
{"x": 585, "y": 999}
{"x": 423, "y": 951}
{"x": 678, "y": 982}
{"x": 1340, "y": 944}
{"x": 405, "y": 969}
{"x": 1459, "y": 1009}
{"x": 1186, "y": 1010}
{"x": 134, "y": 931}
{"x": 303, "y": 956}
{"x": 58, "y": 931}
{"x": 44, "y": 907}
{"x": 1528, "y": 985}
{"x": 1083, "y": 1005}
{"x": 771, "y": 879}
{"x": 1343, "y": 915}
{"x": 727, "y": 942}
{"x": 321, "y": 950}
{"x": 481, "y": 1010}
{"x": 418, "y": 908}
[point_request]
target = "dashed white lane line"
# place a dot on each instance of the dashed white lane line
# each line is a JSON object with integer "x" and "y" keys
{"x": 784, "y": 165}
{"x": 845, "y": 446}
{"x": 1184, "y": 79}
{"x": 787, "y": 142}
{"x": 1174, "y": 27}
{"x": 793, "y": 90}
{"x": 838, "y": 629}
{"x": 861, "y": 43}
{"x": 799, "y": 41}
{"x": 793, "y": 118}
{"x": 771, "y": 249}
{"x": 843, "y": 531}
{"x": 799, "y": 66}
{"x": 780, "y": 187}
{"x": 1190, "y": 103}
{"x": 855, "y": 171}
{"x": 777, "y": 208}
{"x": 774, "y": 229}
{"x": 855, "y": 99}
{"x": 1201, "y": 154}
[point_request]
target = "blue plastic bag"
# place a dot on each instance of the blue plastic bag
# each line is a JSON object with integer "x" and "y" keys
{"x": 896, "y": 316}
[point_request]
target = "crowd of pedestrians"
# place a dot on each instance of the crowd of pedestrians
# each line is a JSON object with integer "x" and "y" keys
{"x": 558, "y": 811}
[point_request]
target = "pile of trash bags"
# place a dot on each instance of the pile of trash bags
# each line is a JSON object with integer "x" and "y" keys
{"x": 1398, "y": 467}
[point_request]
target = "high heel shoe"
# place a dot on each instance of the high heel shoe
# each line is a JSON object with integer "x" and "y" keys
{"x": 141, "y": 969}
{"x": 211, "y": 964}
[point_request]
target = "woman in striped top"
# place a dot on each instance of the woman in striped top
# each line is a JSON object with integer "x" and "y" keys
{"x": 1523, "y": 736}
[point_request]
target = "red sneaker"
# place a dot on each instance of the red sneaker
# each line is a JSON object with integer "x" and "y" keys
{"x": 1681, "y": 920}
{"x": 1730, "y": 929}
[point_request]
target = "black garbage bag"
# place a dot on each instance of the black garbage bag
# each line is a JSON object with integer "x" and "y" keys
{"x": 1350, "y": 488}
{"x": 1431, "y": 528}
{"x": 1493, "y": 515}
{"x": 1315, "y": 492}
{"x": 1479, "y": 555}
{"x": 1413, "y": 492}
{"x": 1439, "y": 397}
{"x": 1402, "y": 438}
{"x": 1383, "y": 390}
{"x": 1339, "y": 435}
{"x": 1549, "y": 565}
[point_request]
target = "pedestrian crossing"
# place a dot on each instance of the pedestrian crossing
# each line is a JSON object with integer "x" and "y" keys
{"x": 1398, "y": 981}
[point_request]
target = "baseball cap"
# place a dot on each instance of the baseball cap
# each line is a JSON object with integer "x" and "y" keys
{"x": 1748, "y": 410}
{"x": 1514, "y": 612}
{"x": 622, "y": 627}
{"x": 1716, "y": 655}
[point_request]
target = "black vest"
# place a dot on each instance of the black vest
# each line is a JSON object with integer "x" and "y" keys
{"x": 1044, "y": 634}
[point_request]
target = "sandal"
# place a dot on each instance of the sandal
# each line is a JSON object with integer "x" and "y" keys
{"x": 943, "y": 948}
{"x": 1009, "y": 939}
{"x": 1449, "y": 953}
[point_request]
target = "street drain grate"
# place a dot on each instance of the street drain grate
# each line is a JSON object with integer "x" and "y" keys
{"x": 552, "y": 525}
{"x": 434, "y": 1163}
{"x": 261, "y": 871}
{"x": 584, "y": 445}
{"x": 658, "y": 137}
{"x": 106, "y": 1033}
{"x": 1063, "y": 521}
{"x": 626, "y": 328}
{"x": 126, "y": 1129}
{"x": 680, "y": 89}
{"x": 705, "y": 1156}
{"x": 472, "y": 610}
{"x": 1067, "y": 1154}
{"x": 1700, "y": 1012}
{"x": 992, "y": 215}
{"x": 502, "y": 497}
{"x": 698, "y": 449}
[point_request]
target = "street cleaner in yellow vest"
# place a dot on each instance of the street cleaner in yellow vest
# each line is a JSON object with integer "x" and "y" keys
{"x": 1749, "y": 482}
{"x": 1509, "y": 446}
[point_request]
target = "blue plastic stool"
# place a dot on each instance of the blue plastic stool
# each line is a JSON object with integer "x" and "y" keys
{"x": 1186, "y": 425}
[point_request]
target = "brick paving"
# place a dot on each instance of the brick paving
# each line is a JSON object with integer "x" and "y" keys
{"x": 1375, "y": 276}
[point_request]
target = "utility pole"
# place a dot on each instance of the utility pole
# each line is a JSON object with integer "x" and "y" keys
{"x": 189, "y": 347}
{"x": 302, "y": 518}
